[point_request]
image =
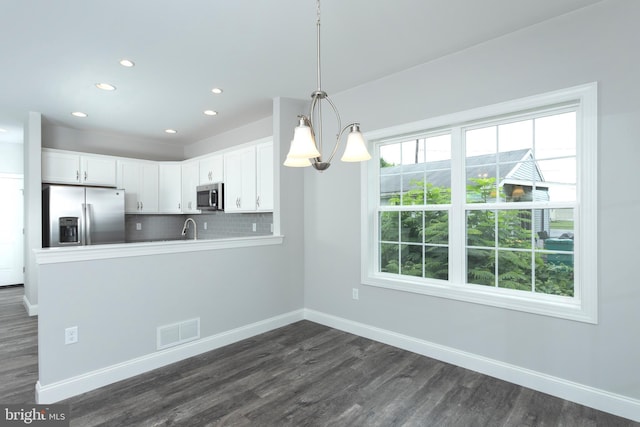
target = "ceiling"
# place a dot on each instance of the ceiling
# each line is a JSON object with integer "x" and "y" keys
{"x": 52, "y": 53}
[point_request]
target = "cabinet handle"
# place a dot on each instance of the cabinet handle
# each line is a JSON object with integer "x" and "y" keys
{"x": 179, "y": 208}
{"x": 210, "y": 175}
{"x": 85, "y": 175}
{"x": 78, "y": 176}
{"x": 258, "y": 201}
{"x": 141, "y": 206}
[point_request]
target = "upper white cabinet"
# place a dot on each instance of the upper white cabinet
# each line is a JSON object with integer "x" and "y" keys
{"x": 190, "y": 180}
{"x": 211, "y": 169}
{"x": 240, "y": 180}
{"x": 66, "y": 167}
{"x": 139, "y": 179}
{"x": 170, "y": 187}
{"x": 248, "y": 178}
{"x": 264, "y": 176}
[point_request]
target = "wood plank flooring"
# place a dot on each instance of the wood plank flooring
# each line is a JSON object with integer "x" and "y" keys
{"x": 303, "y": 374}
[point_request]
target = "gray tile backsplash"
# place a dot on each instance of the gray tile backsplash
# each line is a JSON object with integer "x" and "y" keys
{"x": 219, "y": 225}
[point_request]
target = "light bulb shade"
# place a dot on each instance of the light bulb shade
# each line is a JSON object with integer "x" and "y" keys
{"x": 303, "y": 145}
{"x": 296, "y": 163}
{"x": 356, "y": 149}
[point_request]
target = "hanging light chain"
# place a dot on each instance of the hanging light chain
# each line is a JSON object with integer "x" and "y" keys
{"x": 318, "y": 44}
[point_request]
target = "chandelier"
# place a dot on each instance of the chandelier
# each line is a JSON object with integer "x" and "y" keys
{"x": 306, "y": 146}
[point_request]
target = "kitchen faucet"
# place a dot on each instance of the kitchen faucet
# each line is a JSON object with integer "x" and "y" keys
{"x": 186, "y": 226}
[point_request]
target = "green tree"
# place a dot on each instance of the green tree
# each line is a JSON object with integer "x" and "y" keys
{"x": 402, "y": 234}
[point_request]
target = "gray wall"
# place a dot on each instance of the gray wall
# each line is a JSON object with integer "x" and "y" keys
{"x": 247, "y": 133}
{"x": 96, "y": 142}
{"x": 598, "y": 43}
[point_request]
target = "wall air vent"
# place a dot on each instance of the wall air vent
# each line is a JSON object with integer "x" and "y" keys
{"x": 178, "y": 333}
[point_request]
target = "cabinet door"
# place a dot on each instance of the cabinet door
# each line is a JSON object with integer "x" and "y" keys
{"x": 129, "y": 178}
{"x": 60, "y": 168}
{"x": 170, "y": 188}
{"x": 98, "y": 171}
{"x": 240, "y": 180}
{"x": 248, "y": 195}
{"x": 149, "y": 188}
{"x": 212, "y": 169}
{"x": 264, "y": 176}
{"x": 140, "y": 183}
{"x": 189, "y": 183}
{"x": 232, "y": 181}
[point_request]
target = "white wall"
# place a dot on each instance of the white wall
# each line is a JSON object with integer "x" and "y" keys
{"x": 11, "y": 158}
{"x": 32, "y": 207}
{"x": 598, "y": 43}
{"x": 97, "y": 142}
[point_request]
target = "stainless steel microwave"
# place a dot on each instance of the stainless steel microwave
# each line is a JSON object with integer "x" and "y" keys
{"x": 210, "y": 197}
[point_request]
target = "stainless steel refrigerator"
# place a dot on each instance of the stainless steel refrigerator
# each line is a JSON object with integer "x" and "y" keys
{"x": 76, "y": 216}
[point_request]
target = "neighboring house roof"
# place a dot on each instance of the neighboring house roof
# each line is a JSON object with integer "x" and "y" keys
{"x": 513, "y": 165}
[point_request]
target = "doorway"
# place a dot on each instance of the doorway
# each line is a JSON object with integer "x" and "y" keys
{"x": 11, "y": 230}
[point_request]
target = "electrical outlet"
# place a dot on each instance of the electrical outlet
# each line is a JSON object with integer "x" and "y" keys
{"x": 71, "y": 335}
{"x": 254, "y": 226}
{"x": 138, "y": 226}
{"x": 205, "y": 225}
{"x": 354, "y": 293}
{"x": 272, "y": 228}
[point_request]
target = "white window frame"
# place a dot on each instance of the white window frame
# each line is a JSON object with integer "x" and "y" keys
{"x": 583, "y": 305}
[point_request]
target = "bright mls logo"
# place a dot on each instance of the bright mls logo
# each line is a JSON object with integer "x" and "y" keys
{"x": 35, "y": 415}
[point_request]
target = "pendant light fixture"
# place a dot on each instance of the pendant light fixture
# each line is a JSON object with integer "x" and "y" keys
{"x": 306, "y": 146}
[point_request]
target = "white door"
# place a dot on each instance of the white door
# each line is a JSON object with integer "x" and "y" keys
{"x": 11, "y": 237}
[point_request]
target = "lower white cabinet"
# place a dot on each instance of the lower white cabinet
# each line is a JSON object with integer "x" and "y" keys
{"x": 170, "y": 187}
{"x": 140, "y": 182}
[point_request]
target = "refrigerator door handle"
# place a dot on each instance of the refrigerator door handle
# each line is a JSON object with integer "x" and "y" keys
{"x": 87, "y": 216}
{"x": 82, "y": 227}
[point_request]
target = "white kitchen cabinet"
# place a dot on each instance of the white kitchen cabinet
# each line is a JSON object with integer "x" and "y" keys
{"x": 190, "y": 180}
{"x": 170, "y": 187}
{"x": 211, "y": 169}
{"x": 140, "y": 182}
{"x": 68, "y": 167}
{"x": 264, "y": 176}
{"x": 240, "y": 180}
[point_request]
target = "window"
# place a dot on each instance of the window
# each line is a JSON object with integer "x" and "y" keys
{"x": 495, "y": 205}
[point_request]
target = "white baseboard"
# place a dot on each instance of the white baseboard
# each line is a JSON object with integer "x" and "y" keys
{"x": 55, "y": 392}
{"x": 585, "y": 395}
{"x": 32, "y": 309}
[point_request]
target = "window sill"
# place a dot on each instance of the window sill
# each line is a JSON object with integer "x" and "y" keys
{"x": 547, "y": 305}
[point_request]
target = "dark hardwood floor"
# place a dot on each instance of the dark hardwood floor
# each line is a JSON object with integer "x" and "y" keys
{"x": 303, "y": 374}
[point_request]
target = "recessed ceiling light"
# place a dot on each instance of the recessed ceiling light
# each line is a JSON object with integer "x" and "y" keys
{"x": 127, "y": 63}
{"x": 105, "y": 86}
{"x": 79, "y": 114}
{"x": 172, "y": 131}
{"x": 210, "y": 113}
{"x": 216, "y": 90}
